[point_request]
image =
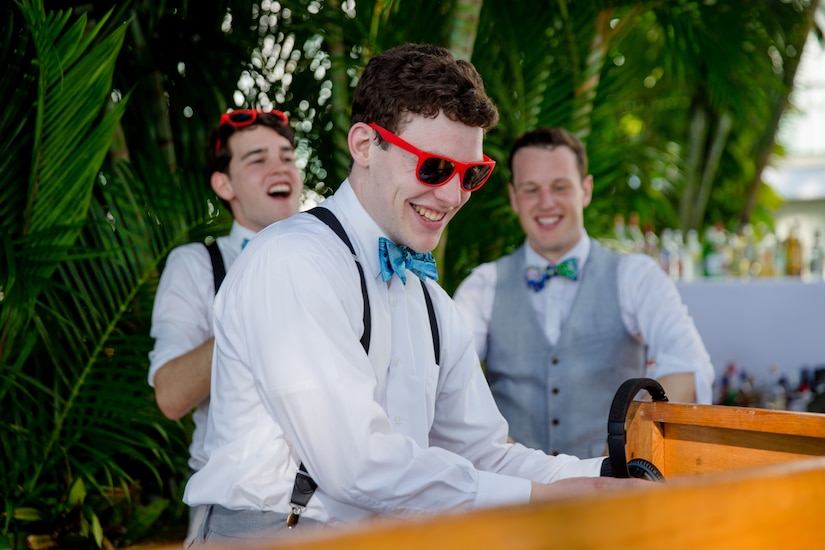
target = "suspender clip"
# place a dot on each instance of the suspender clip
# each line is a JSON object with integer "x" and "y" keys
{"x": 301, "y": 493}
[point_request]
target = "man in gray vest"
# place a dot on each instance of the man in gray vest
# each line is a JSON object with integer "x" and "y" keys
{"x": 562, "y": 321}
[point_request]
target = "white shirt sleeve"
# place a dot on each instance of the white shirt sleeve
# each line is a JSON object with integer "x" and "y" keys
{"x": 474, "y": 299}
{"x": 652, "y": 309}
{"x": 182, "y": 313}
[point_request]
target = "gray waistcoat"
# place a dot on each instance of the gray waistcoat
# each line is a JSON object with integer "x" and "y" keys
{"x": 557, "y": 398}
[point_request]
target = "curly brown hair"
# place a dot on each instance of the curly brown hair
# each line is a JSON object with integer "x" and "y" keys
{"x": 421, "y": 79}
{"x": 218, "y": 158}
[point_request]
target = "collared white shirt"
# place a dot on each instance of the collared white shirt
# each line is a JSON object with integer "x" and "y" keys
{"x": 391, "y": 432}
{"x": 651, "y": 309}
{"x": 182, "y": 314}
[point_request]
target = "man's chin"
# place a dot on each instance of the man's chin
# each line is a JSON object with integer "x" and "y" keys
{"x": 422, "y": 245}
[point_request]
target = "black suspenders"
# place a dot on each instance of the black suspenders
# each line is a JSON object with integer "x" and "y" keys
{"x": 218, "y": 267}
{"x": 304, "y": 485}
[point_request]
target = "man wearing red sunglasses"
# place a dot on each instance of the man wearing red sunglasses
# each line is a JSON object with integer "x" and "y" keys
{"x": 339, "y": 354}
{"x": 252, "y": 164}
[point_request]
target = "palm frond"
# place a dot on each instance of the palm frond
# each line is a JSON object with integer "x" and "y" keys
{"x": 86, "y": 252}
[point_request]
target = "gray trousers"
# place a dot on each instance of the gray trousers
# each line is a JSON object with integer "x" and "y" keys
{"x": 221, "y": 525}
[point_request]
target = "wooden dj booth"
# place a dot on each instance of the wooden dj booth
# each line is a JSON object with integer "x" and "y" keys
{"x": 736, "y": 478}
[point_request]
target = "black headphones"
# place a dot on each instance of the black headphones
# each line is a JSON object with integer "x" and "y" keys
{"x": 617, "y": 437}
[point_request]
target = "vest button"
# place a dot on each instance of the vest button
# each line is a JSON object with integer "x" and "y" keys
{"x": 555, "y": 391}
{"x": 555, "y": 422}
{"x": 554, "y": 453}
{"x": 554, "y": 361}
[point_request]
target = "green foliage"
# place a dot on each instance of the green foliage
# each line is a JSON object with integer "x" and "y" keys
{"x": 87, "y": 457}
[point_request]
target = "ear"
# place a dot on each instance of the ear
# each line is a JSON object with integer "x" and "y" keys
{"x": 587, "y": 188}
{"x": 222, "y": 186}
{"x": 359, "y": 139}
{"x": 512, "y": 190}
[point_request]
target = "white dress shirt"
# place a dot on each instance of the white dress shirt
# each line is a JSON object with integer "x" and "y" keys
{"x": 651, "y": 309}
{"x": 391, "y": 432}
{"x": 182, "y": 314}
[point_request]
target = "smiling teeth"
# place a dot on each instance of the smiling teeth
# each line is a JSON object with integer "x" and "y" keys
{"x": 278, "y": 188}
{"x": 548, "y": 220}
{"x": 429, "y": 215}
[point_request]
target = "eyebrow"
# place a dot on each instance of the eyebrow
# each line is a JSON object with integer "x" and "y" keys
{"x": 284, "y": 149}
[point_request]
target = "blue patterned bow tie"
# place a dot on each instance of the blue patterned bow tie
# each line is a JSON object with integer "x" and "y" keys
{"x": 398, "y": 259}
{"x": 538, "y": 276}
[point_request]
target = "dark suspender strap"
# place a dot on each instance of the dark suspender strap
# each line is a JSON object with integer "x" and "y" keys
{"x": 305, "y": 486}
{"x": 329, "y": 218}
{"x": 433, "y": 323}
{"x": 218, "y": 267}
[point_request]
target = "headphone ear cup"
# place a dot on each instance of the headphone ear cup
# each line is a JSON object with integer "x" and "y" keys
{"x": 616, "y": 436}
{"x": 644, "y": 469}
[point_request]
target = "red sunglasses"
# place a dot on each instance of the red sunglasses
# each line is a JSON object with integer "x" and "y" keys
{"x": 244, "y": 117}
{"x": 435, "y": 171}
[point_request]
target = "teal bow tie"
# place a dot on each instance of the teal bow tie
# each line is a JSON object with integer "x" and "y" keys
{"x": 398, "y": 259}
{"x": 537, "y": 276}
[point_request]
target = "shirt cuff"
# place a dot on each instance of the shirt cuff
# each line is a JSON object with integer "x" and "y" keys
{"x": 500, "y": 490}
{"x": 588, "y": 467}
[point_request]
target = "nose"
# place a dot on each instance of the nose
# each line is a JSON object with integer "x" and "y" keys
{"x": 451, "y": 194}
{"x": 546, "y": 197}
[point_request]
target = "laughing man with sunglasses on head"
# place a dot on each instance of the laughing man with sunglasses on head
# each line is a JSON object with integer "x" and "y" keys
{"x": 345, "y": 383}
{"x": 252, "y": 165}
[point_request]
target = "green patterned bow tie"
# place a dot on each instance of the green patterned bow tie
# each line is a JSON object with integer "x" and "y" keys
{"x": 537, "y": 277}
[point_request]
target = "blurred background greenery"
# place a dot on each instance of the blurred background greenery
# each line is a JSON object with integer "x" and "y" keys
{"x": 107, "y": 107}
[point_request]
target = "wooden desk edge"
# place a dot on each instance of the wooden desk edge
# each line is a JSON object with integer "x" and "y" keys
{"x": 760, "y": 507}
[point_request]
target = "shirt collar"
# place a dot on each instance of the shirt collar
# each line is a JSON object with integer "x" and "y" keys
{"x": 362, "y": 230}
{"x": 238, "y": 234}
{"x": 581, "y": 250}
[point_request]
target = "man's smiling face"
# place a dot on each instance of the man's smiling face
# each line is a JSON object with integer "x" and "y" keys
{"x": 262, "y": 184}
{"x": 549, "y": 196}
{"x": 411, "y": 213}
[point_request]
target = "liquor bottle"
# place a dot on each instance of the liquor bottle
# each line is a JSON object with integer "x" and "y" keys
{"x": 676, "y": 268}
{"x": 731, "y": 390}
{"x": 651, "y": 246}
{"x": 692, "y": 256}
{"x": 779, "y": 259}
{"x": 776, "y": 397}
{"x": 817, "y": 257}
{"x": 766, "y": 251}
{"x": 713, "y": 253}
{"x": 634, "y": 232}
{"x": 747, "y": 396}
{"x": 618, "y": 227}
{"x": 750, "y": 251}
{"x": 793, "y": 252}
{"x": 622, "y": 241}
{"x": 737, "y": 265}
{"x": 666, "y": 249}
{"x": 803, "y": 393}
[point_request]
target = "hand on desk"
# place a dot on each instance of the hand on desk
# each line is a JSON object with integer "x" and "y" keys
{"x": 579, "y": 486}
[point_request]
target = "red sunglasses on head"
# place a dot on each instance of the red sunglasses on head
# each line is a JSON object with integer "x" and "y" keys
{"x": 244, "y": 117}
{"x": 435, "y": 171}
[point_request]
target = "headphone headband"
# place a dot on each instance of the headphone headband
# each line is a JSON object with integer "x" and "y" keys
{"x": 616, "y": 434}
